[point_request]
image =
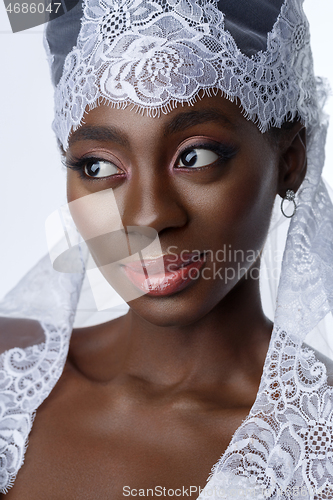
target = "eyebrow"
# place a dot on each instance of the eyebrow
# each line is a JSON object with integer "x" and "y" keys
{"x": 99, "y": 133}
{"x": 180, "y": 122}
{"x": 192, "y": 118}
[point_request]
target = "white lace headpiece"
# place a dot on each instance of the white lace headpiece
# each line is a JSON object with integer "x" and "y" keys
{"x": 152, "y": 55}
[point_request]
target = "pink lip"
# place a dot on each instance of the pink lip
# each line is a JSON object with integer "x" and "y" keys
{"x": 178, "y": 273}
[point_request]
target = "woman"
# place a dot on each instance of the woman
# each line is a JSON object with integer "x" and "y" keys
{"x": 175, "y": 204}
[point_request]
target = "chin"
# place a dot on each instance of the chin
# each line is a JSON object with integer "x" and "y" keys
{"x": 167, "y": 316}
{"x": 180, "y": 309}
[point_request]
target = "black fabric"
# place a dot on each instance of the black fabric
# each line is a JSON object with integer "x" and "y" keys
{"x": 249, "y": 22}
{"x": 61, "y": 34}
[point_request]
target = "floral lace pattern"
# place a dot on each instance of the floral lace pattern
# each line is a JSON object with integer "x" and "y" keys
{"x": 28, "y": 375}
{"x": 284, "y": 449}
{"x": 154, "y": 54}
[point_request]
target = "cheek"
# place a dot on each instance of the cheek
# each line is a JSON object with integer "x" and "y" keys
{"x": 236, "y": 210}
{"x": 252, "y": 212}
{"x": 95, "y": 214}
{"x": 74, "y": 187}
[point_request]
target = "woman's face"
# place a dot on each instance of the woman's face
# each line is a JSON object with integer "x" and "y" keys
{"x": 203, "y": 177}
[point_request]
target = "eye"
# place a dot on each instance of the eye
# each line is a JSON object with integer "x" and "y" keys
{"x": 100, "y": 168}
{"x": 195, "y": 158}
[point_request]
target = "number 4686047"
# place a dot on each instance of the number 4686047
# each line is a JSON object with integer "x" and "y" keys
{"x": 32, "y": 8}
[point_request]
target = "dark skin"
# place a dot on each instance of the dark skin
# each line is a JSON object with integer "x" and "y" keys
{"x": 154, "y": 397}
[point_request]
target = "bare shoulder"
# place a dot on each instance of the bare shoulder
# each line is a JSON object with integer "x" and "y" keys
{"x": 19, "y": 332}
{"x": 96, "y": 351}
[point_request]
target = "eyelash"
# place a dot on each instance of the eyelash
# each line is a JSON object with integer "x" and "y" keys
{"x": 225, "y": 153}
{"x": 78, "y": 164}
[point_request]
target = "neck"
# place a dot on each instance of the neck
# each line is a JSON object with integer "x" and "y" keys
{"x": 230, "y": 340}
{"x": 224, "y": 349}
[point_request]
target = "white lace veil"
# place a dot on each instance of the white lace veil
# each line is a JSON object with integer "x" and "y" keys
{"x": 155, "y": 55}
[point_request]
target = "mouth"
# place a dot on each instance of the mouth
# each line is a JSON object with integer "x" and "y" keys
{"x": 166, "y": 274}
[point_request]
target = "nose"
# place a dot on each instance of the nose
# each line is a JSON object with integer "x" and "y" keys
{"x": 152, "y": 200}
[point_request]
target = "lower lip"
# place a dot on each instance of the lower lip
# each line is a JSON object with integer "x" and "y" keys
{"x": 159, "y": 285}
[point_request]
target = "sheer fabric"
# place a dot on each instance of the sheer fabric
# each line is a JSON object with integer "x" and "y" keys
{"x": 155, "y": 54}
{"x": 27, "y": 375}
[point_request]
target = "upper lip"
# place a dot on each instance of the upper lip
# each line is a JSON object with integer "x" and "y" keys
{"x": 165, "y": 262}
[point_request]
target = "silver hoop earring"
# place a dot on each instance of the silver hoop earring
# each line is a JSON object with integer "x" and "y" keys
{"x": 289, "y": 196}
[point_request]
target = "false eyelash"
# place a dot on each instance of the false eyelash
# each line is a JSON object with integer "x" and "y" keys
{"x": 223, "y": 151}
{"x": 78, "y": 164}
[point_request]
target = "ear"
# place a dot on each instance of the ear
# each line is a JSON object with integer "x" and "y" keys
{"x": 293, "y": 159}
